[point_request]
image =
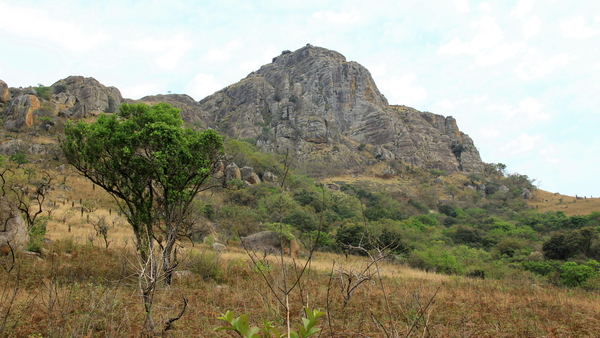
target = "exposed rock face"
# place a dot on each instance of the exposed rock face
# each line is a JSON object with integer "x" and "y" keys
{"x": 13, "y": 230}
{"x": 19, "y": 112}
{"x": 249, "y": 175}
{"x": 271, "y": 242}
{"x": 4, "y": 93}
{"x": 269, "y": 177}
{"x": 80, "y": 96}
{"x": 312, "y": 103}
{"x": 232, "y": 172}
{"x": 73, "y": 97}
{"x": 313, "y": 98}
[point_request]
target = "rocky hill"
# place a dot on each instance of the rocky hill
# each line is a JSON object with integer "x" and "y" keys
{"x": 312, "y": 103}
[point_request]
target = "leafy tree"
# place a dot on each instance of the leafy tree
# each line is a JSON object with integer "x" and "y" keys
{"x": 19, "y": 158}
{"x": 574, "y": 275}
{"x": 562, "y": 247}
{"x": 151, "y": 166}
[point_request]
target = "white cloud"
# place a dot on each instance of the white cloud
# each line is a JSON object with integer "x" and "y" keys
{"x": 462, "y": 5}
{"x": 168, "y": 51}
{"x": 531, "y": 27}
{"x": 33, "y": 23}
{"x": 339, "y": 18}
{"x": 222, "y": 53}
{"x": 523, "y": 143}
{"x": 202, "y": 85}
{"x": 523, "y": 7}
{"x": 486, "y": 45}
{"x": 402, "y": 91}
{"x": 532, "y": 108}
{"x": 575, "y": 28}
{"x": 486, "y": 7}
{"x": 549, "y": 154}
{"x": 535, "y": 65}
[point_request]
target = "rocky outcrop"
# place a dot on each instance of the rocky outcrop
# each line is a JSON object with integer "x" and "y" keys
{"x": 13, "y": 230}
{"x": 323, "y": 110}
{"x": 269, "y": 177}
{"x": 271, "y": 242}
{"x": 73, "y": 97}
{"x": 232, "y": 172}
{"x": 4, "y": 93}
{"x": 19, "y": 112}
{"x": 248, "y": 175}
{"x": 314, "y": 98}
{"x": 79, "y": 96}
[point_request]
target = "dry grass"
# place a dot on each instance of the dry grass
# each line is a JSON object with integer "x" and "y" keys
{"x": 545, "y": 201}
{"x": 82, "y": 289}
{"x": 86, "y": 290}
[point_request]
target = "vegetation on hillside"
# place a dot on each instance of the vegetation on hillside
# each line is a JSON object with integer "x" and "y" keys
{"x": 375, "y": 237}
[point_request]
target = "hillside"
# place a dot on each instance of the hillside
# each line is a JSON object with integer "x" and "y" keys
{"x": 312, "y": 103}
{"x": 401, "y": 228}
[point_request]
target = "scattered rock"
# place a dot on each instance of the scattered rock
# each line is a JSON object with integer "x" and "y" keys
{"x": 269, "y": 177}
{"x": 232, "y": 172}
{"x": 14, "y": 230}
{"x": 218, "y": 247}
{"x": 271, "y": 242}
{"x": 248, "y": 175}
{"x": 4, "y": 92}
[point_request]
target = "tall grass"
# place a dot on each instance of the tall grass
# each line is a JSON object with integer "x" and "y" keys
{"x": 81, "y": 289}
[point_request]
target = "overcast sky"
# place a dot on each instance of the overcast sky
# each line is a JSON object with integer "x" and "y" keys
{"x": 521, "y": 77}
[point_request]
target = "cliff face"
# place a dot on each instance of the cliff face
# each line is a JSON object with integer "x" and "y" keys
{"x": 313, "y": 98}
{"x": 73, "y": 97}
{"x": 312, "y": 103}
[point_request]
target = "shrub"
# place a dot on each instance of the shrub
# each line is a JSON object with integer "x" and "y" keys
{"x": 206, "y": 264}
{"x": 575, "y": 275}
{"x": 43, "y": 92}
{"x": 36, "y": 234}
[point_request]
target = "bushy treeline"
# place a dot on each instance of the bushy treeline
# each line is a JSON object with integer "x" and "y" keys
{"x": 480, "y": 226}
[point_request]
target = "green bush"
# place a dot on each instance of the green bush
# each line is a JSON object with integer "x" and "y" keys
{"x": 574, "y": 274}
{"x": 206, "y": 264}
{"x": 36, "y": 234}
{"x": 18, "y": 158}
{"x": 541, "y": 268}
{"x": 43, "y": 92}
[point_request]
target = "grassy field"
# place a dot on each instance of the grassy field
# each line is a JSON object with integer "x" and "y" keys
{"x": 85, "y": 290}
{"x": 80, "y": 288}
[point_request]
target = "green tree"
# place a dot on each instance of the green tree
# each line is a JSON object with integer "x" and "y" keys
{"x": 574, "y": 275}
{"x": 151, "y": 166}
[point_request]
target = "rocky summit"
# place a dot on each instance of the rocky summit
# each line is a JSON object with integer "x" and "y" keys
{"x": 311, "y": 103}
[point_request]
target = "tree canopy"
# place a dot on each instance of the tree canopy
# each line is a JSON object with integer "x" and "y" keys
{"x": 149, "y": 163}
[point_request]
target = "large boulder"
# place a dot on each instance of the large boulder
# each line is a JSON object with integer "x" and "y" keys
{"x": 13, "y": 230}
{"x": 249, "y": 175}
{"x": 4, "y": 92}
{"x": 232, "y": 172}
{"x": 271, "y": 242}
{"x": 20, "y": 110}
{"x": 80, "y": 96}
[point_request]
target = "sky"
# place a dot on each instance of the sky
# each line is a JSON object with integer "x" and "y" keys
{"x": 521, "y": 77}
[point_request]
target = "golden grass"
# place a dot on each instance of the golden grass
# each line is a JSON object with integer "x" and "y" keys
{"x": 544, "y": 201}
{"x": 93, "y": 293}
